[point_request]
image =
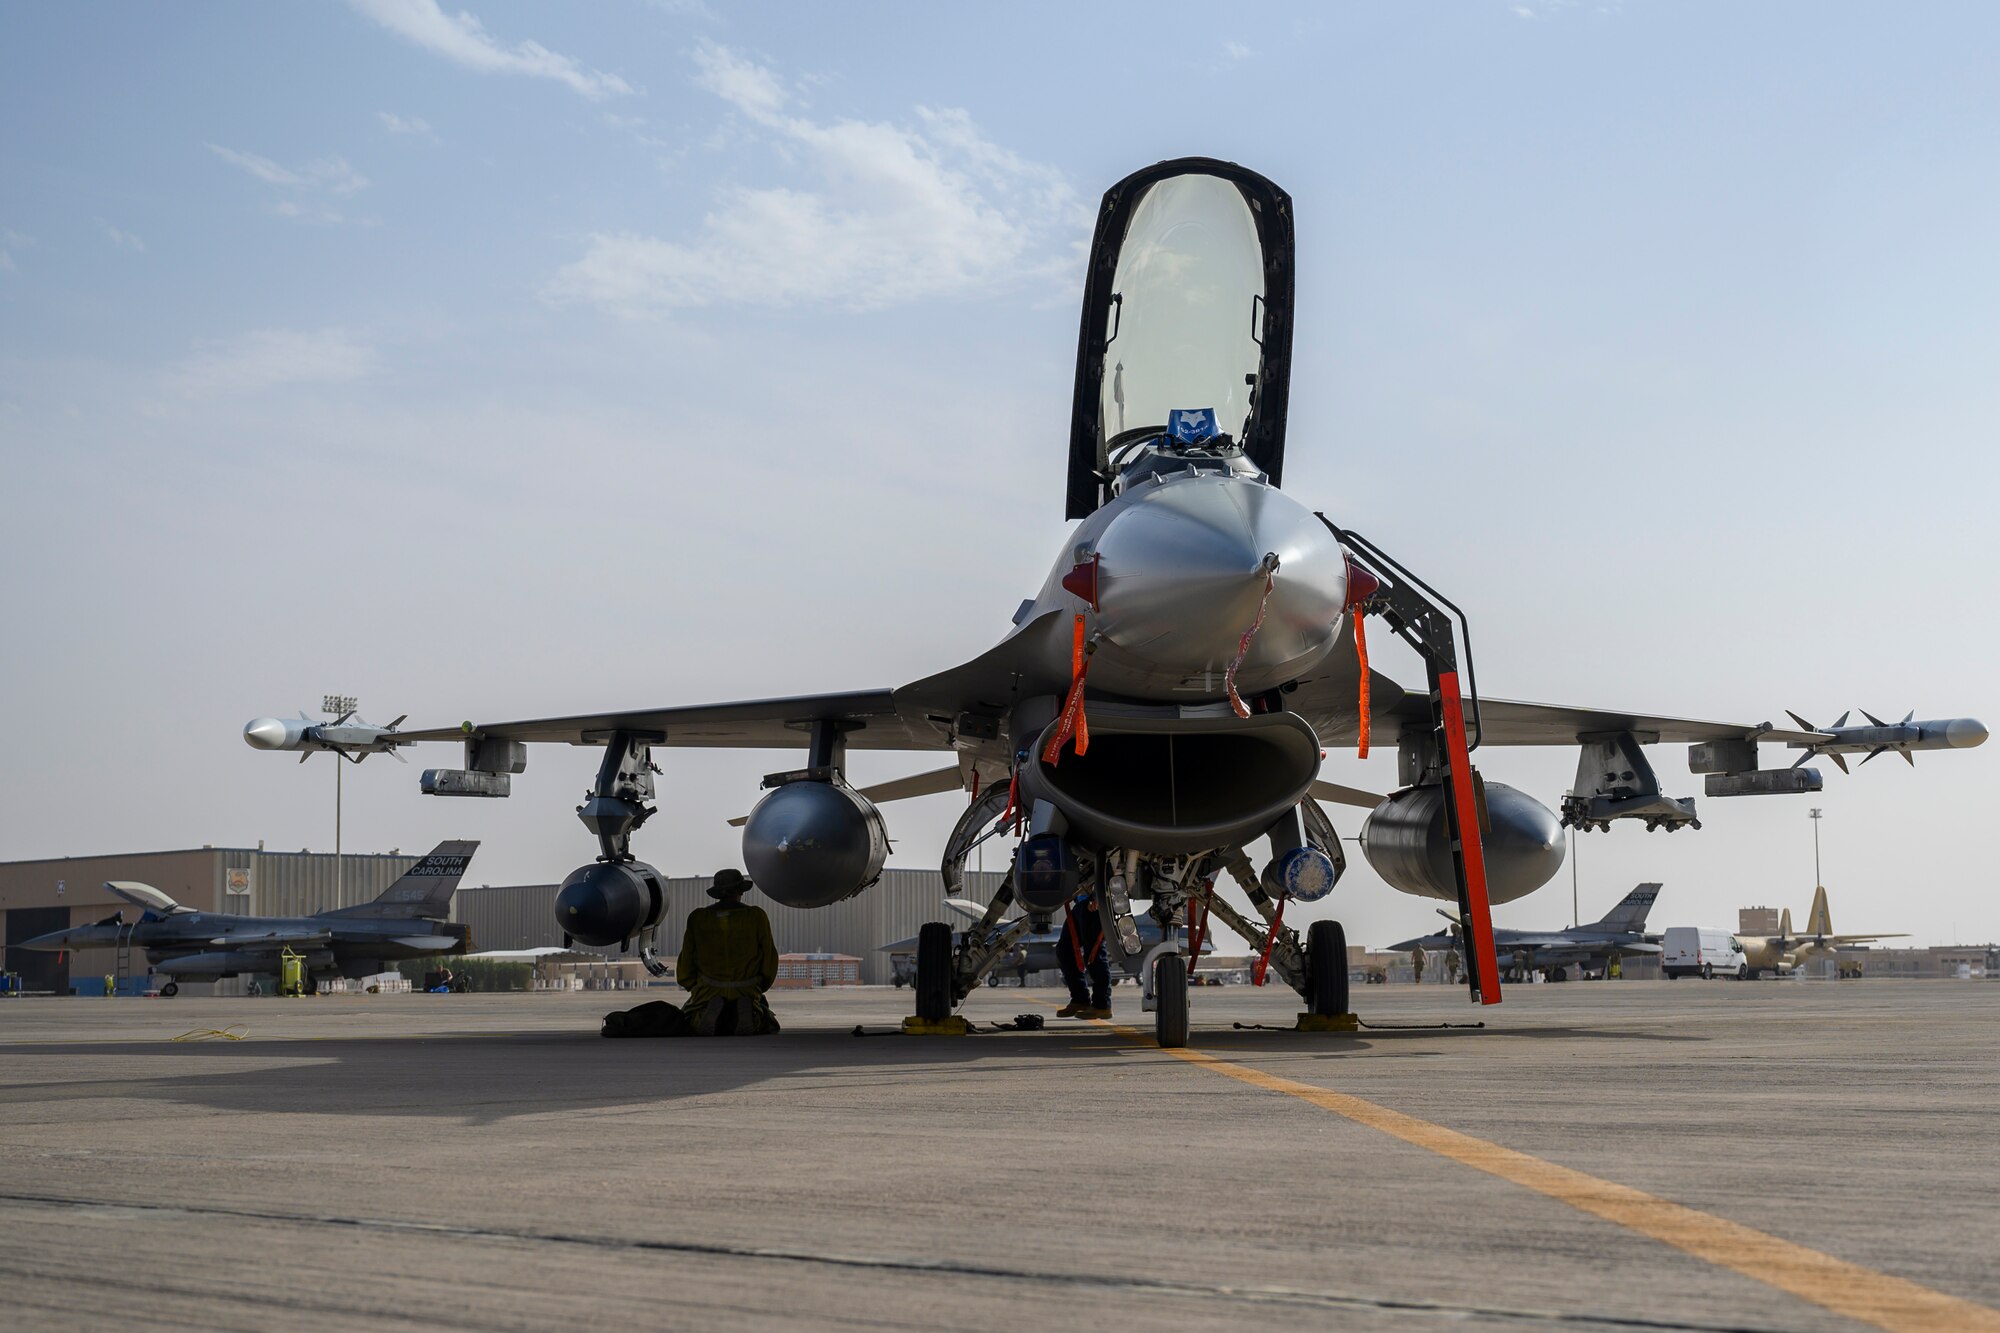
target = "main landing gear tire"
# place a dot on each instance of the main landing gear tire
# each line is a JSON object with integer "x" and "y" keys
{"x": 1326, "y": 968}
{"x": 171, "y": 989}
{"x": 934, "y": 972}
{"x": 1170, "y": 1001}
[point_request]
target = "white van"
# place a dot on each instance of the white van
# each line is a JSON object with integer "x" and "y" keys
{"x": 1689, "y": 951}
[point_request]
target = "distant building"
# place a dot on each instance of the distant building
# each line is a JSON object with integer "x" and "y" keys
{"x": 1757, "y": 921}
{"x": 800, "y": 971}
{"x": 1969, "y": 961}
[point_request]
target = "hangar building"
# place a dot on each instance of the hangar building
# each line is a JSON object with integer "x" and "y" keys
{"x": 37, "y": 897}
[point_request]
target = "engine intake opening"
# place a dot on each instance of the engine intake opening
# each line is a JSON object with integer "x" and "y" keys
{"x": 1165, "y": 783}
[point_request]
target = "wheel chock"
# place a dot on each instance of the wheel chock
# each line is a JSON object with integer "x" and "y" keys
{"x": 1328, "y": 1023}
{"x": 954, "y": 1026}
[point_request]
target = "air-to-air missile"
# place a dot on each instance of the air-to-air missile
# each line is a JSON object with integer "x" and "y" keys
{"x": 1945, "y": 733}
{"x": 346, "y": 736}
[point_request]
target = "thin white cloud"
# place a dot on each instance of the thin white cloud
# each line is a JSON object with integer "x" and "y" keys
{"x": 331, "y": 174}
{"x": 463, "y": 40}
{"x": 890, "y": 214}
{"x": 12, "y": 240}
{"x": 1235, "y": 51}
{"x": 752, "y": 88}
{"x": 396, "y": 124}
{"x": 123, "y": 240}
{"x": 269, "y": 359}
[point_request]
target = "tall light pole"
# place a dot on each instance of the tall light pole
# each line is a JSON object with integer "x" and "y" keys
{"x": 338, "y": 705}
{"x": 1815, "y": 813}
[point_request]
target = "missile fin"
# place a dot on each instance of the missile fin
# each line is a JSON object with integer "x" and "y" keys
{"x": 1839, "y": 759}
{"x": 1872, "y": 718}
{"x": 1908, "y": 758}
{"x": 1872, "y": 753}
{"x": 1840, "y": 722}
{"x": 1906, "y": 718}
{"x": 1803, "y": 724}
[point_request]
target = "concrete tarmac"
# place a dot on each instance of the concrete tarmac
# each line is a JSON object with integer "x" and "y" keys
{"x": 1771, "y": 1155}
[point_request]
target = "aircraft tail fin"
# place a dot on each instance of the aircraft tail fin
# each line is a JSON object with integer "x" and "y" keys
{"x": 424, "y": 892}
{"x": 1819, "y": 921}
{"x": 1785, "y": 923}
{"x": 1630, "y": 913}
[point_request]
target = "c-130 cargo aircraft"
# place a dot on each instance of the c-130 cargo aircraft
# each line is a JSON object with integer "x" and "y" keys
{"x": 1161, "y": 704}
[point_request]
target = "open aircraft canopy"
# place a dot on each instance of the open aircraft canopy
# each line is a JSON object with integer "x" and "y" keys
{"x": 1187, "y": 305}
{"x": 144, "y": 895}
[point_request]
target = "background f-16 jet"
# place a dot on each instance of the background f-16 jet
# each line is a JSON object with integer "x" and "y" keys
{"x": 407, "y": 920}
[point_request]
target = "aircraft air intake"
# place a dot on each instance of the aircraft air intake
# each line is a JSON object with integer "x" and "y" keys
{"x": 1175, "y": 784}
{"x": 1406, "y": 842}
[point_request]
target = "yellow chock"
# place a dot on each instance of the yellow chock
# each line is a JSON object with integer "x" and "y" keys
{"x": 1328, "y": 1023}
{"x": 954, "y": 1026}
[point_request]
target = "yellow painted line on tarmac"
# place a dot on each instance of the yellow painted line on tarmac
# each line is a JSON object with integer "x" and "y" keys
{"x": 1834, "y": 1284}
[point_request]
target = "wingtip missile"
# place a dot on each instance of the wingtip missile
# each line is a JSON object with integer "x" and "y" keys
{"x": 345, "y": 736}
{"x": 1879, "y": 737}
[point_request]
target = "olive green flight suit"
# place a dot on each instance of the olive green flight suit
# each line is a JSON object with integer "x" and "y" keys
{"x": 726, "y": 963}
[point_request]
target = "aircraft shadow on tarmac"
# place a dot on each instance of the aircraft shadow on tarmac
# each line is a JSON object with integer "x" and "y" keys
{"x": 484, "y": 1078}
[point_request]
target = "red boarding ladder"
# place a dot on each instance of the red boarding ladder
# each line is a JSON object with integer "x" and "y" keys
{"x": 1422, "y": 617}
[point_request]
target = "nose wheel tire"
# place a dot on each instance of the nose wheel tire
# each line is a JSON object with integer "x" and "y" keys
{"x": 171, "y": 989}
{"x": 1170, "y": 1001}
{"x": 934, "y": 972}
{"x": 1708, "y": 971}
{"x": 1326, "y": 968}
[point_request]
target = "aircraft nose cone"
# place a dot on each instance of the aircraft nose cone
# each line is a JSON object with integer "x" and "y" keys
{"x": 1183, "y": 569}
{"x": 1965, "y": 732}
{"x": 266, "y": 733}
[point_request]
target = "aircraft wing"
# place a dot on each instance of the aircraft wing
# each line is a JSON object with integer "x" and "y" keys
{"x": 1328, "y": 700}
{"x": 774, "y": 724}
{"x": 1514, "y": 722}
{"x": 273, "y": 939}
{"x": 919, "y": 716}
{"x": 430, "y": 943}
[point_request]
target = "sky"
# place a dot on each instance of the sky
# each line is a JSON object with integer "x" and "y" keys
{"x": 521, "y": 360}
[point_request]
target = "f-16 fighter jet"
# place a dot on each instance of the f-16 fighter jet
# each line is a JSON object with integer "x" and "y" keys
{"x": 1161, "y": 706}
{"x": 1622, "y": 930}
{"x": 406, "y": 921}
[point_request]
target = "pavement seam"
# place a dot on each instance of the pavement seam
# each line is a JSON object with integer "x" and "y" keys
{"x": 1864, "y": 1294}
{"x": 1144, "y": 1286}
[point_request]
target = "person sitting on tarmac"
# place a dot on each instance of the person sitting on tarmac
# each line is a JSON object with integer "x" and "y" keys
{"x": 1080, "y": 954}
{"x": 727, "y": 961}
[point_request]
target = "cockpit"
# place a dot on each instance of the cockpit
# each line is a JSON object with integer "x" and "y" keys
{"x": 1184, "y": 354}
{"x": 1149, "y": 455}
